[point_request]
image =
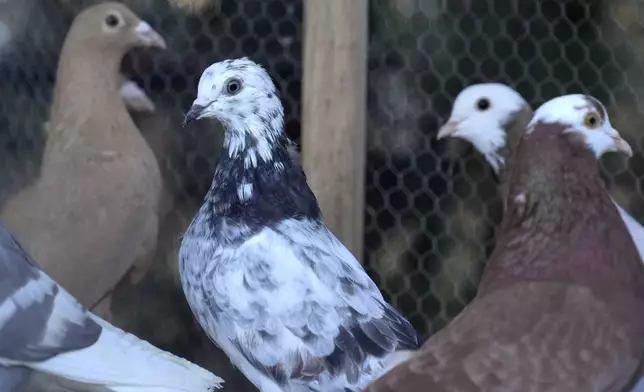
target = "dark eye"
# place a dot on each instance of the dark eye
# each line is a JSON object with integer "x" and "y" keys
{"x": 483, "y": 104}
{"x": 111, "y": 20}
{"x": 591, "y": 120}
{"x": 233, "y": 86}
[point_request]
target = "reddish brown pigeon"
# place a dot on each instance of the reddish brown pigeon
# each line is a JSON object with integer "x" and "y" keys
{"x": 560, "y": 305}
{"x": 492, "y": 116}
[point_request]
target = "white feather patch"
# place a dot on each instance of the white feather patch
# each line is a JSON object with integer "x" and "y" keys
{"x": 634, "y": 228}
{"x": 28, "y": 294}
{"x": 245, "y": 191}
{"x": 123, "y": 363}
{"x": 143, "y": 27}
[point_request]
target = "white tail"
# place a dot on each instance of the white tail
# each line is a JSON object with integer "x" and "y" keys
{"x": 121, "y": 362}
{"x": 634, "y": 228}
{"x": 396, "y": 358}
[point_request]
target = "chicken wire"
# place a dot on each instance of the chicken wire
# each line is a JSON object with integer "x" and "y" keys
{"x": 431, "y": 207}
{"x": 198, "y": 33}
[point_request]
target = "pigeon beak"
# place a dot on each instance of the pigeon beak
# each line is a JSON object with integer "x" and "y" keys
{"x": 148, "y": 37}
{"x": 194, "y": 113}
{"x": 448, "y": 129}
{"x": 622, "y": 146}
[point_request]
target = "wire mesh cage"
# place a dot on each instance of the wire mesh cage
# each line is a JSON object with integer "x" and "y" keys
{"x": 431, "y": 207}
{"x": 197, "y": 34}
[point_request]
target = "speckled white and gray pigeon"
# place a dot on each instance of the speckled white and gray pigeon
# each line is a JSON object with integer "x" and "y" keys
{"x": 270, "y": 284}
{"x": 44, "y": 329}
{"x": 492, "y": 117}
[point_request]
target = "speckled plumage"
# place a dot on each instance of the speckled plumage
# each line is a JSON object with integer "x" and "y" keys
{"x": 265, "y": 278}
{"x": 559, "y": 307}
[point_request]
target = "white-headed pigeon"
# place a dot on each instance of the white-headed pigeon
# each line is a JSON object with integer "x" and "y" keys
{"x": 270, "y": 284}
{"x": 492, "y": 117}
{"x": 560, "y": 304}
{"x": 44, "y": 329}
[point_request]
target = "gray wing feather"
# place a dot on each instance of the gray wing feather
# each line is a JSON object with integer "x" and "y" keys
{"x": 38, "y": 318}
{"x": 380, "y": 332}
{"x": 363, "y": 333}
{"x": 337, "y": 322}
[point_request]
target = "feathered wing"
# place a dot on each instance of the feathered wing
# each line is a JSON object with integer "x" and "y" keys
{"x": 38, "y": 319}
{"x": 124, "y": 363}
{"x": 528, "y": 337}
{"x": 304, "y": 309}
{"x": 45, "y": 329}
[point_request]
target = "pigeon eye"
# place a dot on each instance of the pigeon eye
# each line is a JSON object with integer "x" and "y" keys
{"x": 111, "y": 20}
{"x": 233, "y": 86}
{"x": 591, "y": 120}
{"x": 483, "y": 104}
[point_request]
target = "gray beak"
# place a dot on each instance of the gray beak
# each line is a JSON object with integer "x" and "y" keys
{"x": 148, "y": 37}
{"x": 622, "y": 146}
{"x": 193, "y": 114}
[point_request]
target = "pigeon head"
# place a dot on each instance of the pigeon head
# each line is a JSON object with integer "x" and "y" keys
{"x": 560, "y": 223}
{"x": 112, "y": 27}
{"x": 481, "y": 115}
{"x": 241, "y": 95}
{"x": 585, "y": 118}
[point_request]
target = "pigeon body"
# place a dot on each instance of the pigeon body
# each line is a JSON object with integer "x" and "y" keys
{"x": 264, "y": 276}
{"x": 494, "y": 129}
{"x": 45, "y": 329}
{"x": 91, "y": 217}
{"x": 560, "y": 303}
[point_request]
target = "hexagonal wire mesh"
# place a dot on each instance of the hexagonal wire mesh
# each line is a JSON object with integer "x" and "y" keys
{"x": 198, "y": 33}
{"x": 432, "y": 207}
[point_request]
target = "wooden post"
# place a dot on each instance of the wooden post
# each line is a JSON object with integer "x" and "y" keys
{"x": 334, "y": 113}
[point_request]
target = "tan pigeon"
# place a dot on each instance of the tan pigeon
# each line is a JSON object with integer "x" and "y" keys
{"x": 561, "y": 301}
{"x": 134, "y": 98}
{"x": 92, "y": 216}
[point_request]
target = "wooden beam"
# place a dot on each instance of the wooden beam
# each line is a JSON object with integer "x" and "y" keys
{"x": 334, "y": 109}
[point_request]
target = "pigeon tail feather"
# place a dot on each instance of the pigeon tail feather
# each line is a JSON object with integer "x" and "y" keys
{"x": 634, "y": 228}
{"x": 135, "y": 366}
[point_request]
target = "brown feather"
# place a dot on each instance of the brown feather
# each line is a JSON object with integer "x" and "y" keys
{"x": 573, "y": 232}
{"x": 514, "y": 130}
{"x": 560, "y": 304}
{"x": 539, "y": 336}
{"x": 92, "y": 216}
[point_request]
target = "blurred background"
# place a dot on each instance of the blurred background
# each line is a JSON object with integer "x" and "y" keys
{"x": 429, "y": 208}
